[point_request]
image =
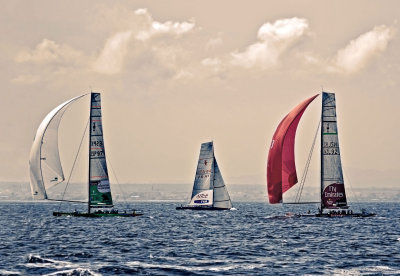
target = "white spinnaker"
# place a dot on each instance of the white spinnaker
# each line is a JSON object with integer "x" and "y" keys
{"x": 45, "y": 154}
{"x": 221, "y": 195}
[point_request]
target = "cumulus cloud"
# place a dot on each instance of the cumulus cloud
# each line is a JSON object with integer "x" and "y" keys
{"x": 273, "y": 40}
{"x": 138, "y": 39}
{"x": 111, "y": 58}
{"x": 134, "y": 39}
{"x": 49, "y": 52}
{"x": 155, "y": 27}
{"x": 361, "y": 50}
{"x": 163, "y": 28}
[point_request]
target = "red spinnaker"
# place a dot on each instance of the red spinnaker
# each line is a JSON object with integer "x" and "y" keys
{"x": 281, "y": 168}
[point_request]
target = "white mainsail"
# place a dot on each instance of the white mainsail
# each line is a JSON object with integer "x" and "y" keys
{"x": 44, "y": 154}
{"x": 332, "y": 184}
{"x": 99, "y": 185}
{"x": 202, "y": 182}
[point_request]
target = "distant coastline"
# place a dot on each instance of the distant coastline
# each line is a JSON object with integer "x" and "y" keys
{"x": 20, "y": 191}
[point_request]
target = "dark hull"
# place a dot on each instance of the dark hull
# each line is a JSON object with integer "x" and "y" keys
{"x": 95, "y": 215}
{"x": 354, "y": 215}
{"x": 201, "y": 208}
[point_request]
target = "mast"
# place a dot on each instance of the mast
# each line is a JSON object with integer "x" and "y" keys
{"x": 321, "y": 152}
{"x": 213, "y": 170}
{"x": 89, "y": 148}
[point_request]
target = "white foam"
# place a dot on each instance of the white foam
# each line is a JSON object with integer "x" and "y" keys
{"x": 63, "y": 266}
{"x": 8, "y": 272}
{"x": 74, "y": 271}
{"x": 210, "y": 267}
{"x": 364, "y": 270}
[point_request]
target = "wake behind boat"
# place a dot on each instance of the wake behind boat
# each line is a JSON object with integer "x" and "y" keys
{"x": 209, "y": 190}
{"x": 46, "y": 170}
{"x": 281, "y": 168}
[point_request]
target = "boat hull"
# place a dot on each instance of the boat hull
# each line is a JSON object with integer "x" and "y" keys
{"x": 95, "y": 215}
{"x": 203, "y": 208}
{"x": 354, "y": 215}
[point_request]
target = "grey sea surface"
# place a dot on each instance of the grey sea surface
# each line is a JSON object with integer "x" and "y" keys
{"x": 247, "y": 240}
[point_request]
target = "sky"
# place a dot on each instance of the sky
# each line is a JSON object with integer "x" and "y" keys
{"x": 175, "y": 74}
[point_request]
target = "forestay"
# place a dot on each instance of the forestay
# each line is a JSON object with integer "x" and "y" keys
{"x": 44, "y": 161}
{"x": 99, "y": 185}
{"x": 332, "y": 185}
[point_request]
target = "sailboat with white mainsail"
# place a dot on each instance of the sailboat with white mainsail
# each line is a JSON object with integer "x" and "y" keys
{"x": 46, "y": 169}
{"x": 281, "y": 168}
{"x": 209, "y": 190}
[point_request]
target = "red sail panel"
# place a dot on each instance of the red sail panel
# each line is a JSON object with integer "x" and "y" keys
{"x": 281, "y": 167}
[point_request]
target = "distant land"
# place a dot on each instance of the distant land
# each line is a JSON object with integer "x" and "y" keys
{"x": 20, "y": 191}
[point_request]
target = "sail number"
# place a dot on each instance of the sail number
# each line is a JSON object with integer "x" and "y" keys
{"x": 330, "y": 145}
{"x": 97, "y": 153}
{"x": 331, "y": 148}
{"x": 96, "y": 143}
{"x": 331, "y": 151}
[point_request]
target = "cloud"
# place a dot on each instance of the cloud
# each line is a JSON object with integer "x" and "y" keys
{"x": 49, "y": 52}
{"x": 361, "y": 50}
{"x": 146, "y": 43}
{"x": 155, "y": 27}
{"x": 273, "y": 40}
{"x": 111, "y": 58}
{"x": 213, "y": 43}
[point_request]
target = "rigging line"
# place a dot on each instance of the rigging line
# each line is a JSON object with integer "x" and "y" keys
{"x": 73, "y": 165}
{"x": 303, "y": 179}
{"x": 117, "y": 182}
{"x": 354, "y": 196}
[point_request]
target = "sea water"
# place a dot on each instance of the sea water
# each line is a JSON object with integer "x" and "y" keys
{"x": 247, "y": 240}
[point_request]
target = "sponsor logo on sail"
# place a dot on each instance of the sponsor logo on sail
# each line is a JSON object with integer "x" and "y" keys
{"x": 334, "y": 195}
{"x": 201, "y": 201}
{"x": 202, "y": 196}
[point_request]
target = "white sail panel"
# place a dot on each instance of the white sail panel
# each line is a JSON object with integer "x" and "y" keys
{"x": 202, "y": 181}
{"x": 221, "y": 195}
{"x": 44, "y": 161}
{"x": 332, "y": 184}
{"x": 204, "y": 198}
{"x": 99, "y": 185}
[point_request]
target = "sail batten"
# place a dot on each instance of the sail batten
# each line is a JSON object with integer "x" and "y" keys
{"x": 44, "y": 161}
{"x": 281, "y": 168}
